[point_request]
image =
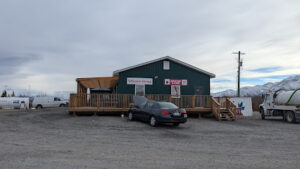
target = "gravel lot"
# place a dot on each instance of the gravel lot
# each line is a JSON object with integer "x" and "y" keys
{"x": 53, "y": 139}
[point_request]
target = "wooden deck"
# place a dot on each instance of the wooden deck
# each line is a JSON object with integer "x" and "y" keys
{"x": 221, "y": 108}
{"x": 122, "y": 110}
{"x": 96, "y": 109}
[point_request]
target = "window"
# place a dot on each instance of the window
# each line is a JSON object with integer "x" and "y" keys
{"x": 56, "y": 99}
{"x": 140, "y": 90}
{"x": 151, "y": 105}
{"x": 167, "y": 105}
{"x": 166, "y": 65}
{"x": 268, "y": 97}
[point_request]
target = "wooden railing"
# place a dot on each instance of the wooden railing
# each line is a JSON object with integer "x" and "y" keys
{"x": 231, "y": 107}
{"x": 222, "y": 101}
{"x": 124, "y": 100}
{"x": 216, "y": 108}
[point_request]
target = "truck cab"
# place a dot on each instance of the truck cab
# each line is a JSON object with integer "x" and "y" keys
{"x": 267, "y": 107}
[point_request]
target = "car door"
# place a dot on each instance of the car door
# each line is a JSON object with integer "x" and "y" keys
{"x": 51, "y": 102}
{"x": 56, "y": 102}
{"x": 136, "y": 111}
{"x": 46, "y": 101}
{"x": 140, "y": 103}
{"x": 147, "y": 111}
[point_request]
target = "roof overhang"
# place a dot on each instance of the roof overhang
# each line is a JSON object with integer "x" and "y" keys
{"x": 211, "y": 75}
{"x": 98, "y": 82}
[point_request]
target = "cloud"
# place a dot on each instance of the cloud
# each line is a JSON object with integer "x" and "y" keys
{"x": 10, "y": 64}
{"x": 266, "y": 69}
{"x": 80, "y": 39}
{"x": 220, "y": 80}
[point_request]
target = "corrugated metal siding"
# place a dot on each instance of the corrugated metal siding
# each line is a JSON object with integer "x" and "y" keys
{"x": 156, "y": 69}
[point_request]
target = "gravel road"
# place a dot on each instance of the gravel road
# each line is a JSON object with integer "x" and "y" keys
{"x": 53, "y": 139}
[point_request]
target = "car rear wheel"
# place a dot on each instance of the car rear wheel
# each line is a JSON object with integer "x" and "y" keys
{"x": 130, "y": 116}
{"x": 153, "y": 121}
{"x": 39, "y": 107}
{"x": 290, "y": 117}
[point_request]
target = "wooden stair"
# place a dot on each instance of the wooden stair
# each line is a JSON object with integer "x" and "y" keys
{"x": 227, "y": 112}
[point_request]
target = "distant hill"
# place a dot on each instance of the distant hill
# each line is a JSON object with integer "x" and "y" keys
{"x": 289, "y": 83}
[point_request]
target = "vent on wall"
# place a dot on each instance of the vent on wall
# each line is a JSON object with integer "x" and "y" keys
{"x": 166, "y": 65}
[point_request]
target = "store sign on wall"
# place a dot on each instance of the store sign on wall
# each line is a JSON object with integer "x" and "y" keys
{"x": 139, "y": 81}
{"x": 180, "y": 82}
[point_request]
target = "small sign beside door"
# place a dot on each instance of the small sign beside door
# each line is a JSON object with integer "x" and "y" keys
{"x": 175, "y": 91}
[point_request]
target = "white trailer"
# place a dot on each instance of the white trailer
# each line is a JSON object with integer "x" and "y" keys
{"x": 14, "y": 102}
{"x": 281, "y": 103}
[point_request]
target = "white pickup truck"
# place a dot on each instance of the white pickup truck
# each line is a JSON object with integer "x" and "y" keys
{"x": 282, "y": 103}
{"x": 48, "y": 101}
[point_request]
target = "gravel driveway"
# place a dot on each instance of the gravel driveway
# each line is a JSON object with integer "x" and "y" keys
{"x": 53, "y": 139}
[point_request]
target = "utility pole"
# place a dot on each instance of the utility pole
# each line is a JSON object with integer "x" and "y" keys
{"x": 240, "y": 64}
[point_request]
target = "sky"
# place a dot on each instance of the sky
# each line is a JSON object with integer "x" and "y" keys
{"x": 45, "y": 45}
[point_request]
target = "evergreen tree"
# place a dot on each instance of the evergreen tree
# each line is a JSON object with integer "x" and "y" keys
{"x": 4, "y": 94}
{"x": 13, "y": 94}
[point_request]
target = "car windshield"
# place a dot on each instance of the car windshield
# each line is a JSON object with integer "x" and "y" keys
{"x": 167, "y": 105}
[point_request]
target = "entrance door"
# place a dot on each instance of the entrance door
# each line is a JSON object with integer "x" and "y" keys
{"x": 198, "y": 90}
{"x": 140, "y": 90}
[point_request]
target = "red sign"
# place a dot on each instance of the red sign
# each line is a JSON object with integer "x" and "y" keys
{"x": 180, "y": 82}
{"x": 239, "y": 111}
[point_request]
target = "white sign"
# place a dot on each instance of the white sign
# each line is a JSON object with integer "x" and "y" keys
{"x": 243, "y": 105}
{"x": 139, "y": 81}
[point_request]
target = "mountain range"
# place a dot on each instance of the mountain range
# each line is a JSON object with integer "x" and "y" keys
{"x": 290, "y": 83}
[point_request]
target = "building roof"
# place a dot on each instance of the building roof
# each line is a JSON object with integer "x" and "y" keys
{"x": 116, "y": 73}
{"x": 98, "y": 82}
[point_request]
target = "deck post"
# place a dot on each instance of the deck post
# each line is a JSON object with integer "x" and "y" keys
{"x": 98, "y": 101}
{"x": 193, "y": 101}
{"x": 124, "y": 101}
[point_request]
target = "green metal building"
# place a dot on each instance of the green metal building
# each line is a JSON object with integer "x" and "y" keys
{"x": 165, "y": 75}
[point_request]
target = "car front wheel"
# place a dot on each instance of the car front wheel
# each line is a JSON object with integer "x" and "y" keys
{"x": 130, "y": 116}
{"x": 262, "y": 113}
{"x": 153, "y": 121}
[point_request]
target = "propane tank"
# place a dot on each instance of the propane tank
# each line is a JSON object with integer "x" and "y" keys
{"x": 288, "y": 97}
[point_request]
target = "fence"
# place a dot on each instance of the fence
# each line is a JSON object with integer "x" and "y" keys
{"x": 125, "y": 100}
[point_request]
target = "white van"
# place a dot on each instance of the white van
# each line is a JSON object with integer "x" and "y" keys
{"x": 48, "y": 101}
